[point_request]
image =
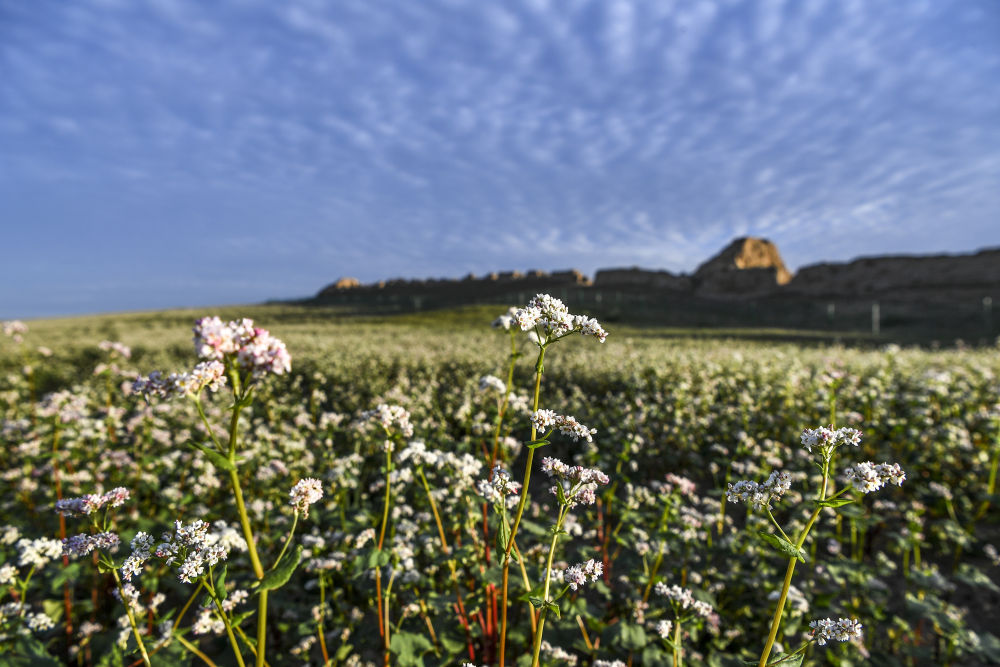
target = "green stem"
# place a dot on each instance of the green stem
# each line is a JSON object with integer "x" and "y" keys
{"x": 437, "y": 517}
{"x": 204, "y": 420}
{"x": 678, "y": 651}
{"x": 225, "y": 622}
{"x": 131, "y": 617}
{"x": 776, "y": 525}
{"x": 288, "y": 540}
{"x": 520, "y": 511}
{"x": 388, "y": 491}
{"x": 241, "y": 509}
{"x": 194, "y": 649}
{"x": 776, "y": 619}
{"x": 536, "y": 648}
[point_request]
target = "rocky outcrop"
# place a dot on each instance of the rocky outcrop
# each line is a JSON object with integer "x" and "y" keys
{"x": 345, "y": 283}
{"x": 745, "y": 266}
{"x": 900, "y": 275}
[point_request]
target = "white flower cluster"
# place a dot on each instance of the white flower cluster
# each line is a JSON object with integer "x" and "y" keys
{"x": 208, "y": 620}
{"x": 557, "y": 654}
{"x": 492, "y": 383}
{"x": 33, "y": 621}
{"x": 81, "y": 545}
{"x": 191, "y": 548}
{"x": 829, "y": 439}
{"x": 501, "y": 487}
{"x": 545, "y": 420}
{"x": 305, "y": 492}
{"x": 15, "y": 329}
{"x": 37, "y": 553}
{"x": 8, "y": 573}
{"x": 841, "y": 630}
{"x": 579, "y": 484}
{"x": 207, "y": 374}
{"x": 664, "y": 628}
{"x": 760, "y": 495}
{"x": 505, "y": 320}
{"x": 116, "y": 349}
{"x": 578, "y": 575}
{"x": 553, "y": 318}
{"x": 389, "y": 415}
{"x": 92, "y": 502}
{"x": 868, "y": 476}
{"x": 684, "y": 598}
{"x": 682, "y": 485}
{"x": 254, "y": 349}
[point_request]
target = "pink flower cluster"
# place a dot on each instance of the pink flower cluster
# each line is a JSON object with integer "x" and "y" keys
{"x": 81, "y": 545}
{"x": 578, "y": 575}
{"x": 92, "y": 502}
{"x": 253, "y": 348}
{"x": 15, "y": 329}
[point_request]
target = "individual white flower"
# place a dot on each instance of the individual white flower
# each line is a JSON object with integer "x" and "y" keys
{"x": 305, "y": 492}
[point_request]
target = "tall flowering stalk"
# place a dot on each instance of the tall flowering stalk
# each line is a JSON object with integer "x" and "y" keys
{"x": 547, "y": 321}
{"x": 240, "y": 355}
{"x": 505, "y": 323}
{"x": 864, "y": 477}
{"x": 102, "y": 542}
{"x": 395, "y": 424}
{"x": 572, "y": 486}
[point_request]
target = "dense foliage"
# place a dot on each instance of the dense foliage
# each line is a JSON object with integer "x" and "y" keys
{"x": 676, "y": 422}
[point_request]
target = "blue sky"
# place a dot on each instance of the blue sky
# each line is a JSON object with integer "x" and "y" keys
{"x": 172, "y": 152}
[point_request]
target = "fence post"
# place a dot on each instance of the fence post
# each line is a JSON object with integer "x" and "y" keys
{"x": 875, "y": 319}
{"x": 988, "y": 314}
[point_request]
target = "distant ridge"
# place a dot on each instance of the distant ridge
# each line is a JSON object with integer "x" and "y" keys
{"x": 747, "y": 267}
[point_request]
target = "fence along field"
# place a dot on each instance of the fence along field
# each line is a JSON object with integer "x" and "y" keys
{"x": 428, "y": 490}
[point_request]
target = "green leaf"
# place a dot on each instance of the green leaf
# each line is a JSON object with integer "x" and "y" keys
{"x": 220, "y": 583}
{"x": 239, "y": 618}
{"x": 214, "y": 456}
{"x": 780, "y": 660}
{"x": 833, "y": 502}
{"x": 376, "y": 558}
{"x": 975, "y": 577}
{"x": 537, "y": 603}
{"x": 783, "y": 545}
{"x": 631, "y": 636}
{"x": 280, "y": 575}
{"x": 112, "y": 658}
{"x": 534, "y": 444}
{"x": 409, "y": 647}
{"x": 554, "y": 608}
{"x": 29, "y": 652}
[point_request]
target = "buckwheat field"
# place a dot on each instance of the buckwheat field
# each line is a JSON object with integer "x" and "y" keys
{"x": 310, "y": 487}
